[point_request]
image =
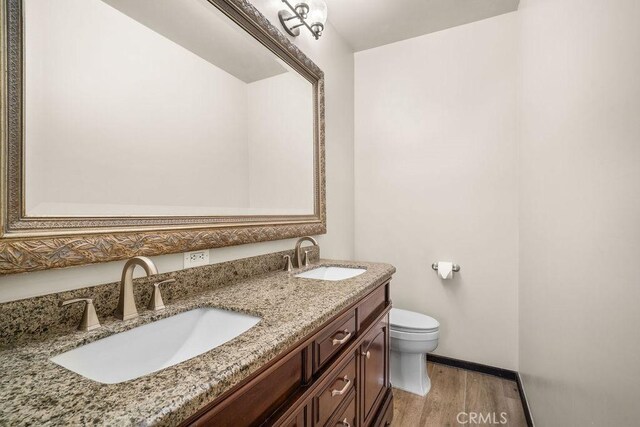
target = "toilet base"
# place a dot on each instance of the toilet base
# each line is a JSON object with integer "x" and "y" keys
{"x": 408, "y": 372}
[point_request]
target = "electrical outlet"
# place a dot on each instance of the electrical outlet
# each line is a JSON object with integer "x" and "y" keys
{"x": 196, "y": 258}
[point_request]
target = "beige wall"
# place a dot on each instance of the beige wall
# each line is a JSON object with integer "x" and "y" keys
{"x": 580, "y": 211}
{"x": 93, "y": 115}
{"x": 436, "y": 180}
{"x": 280, "y": 136}
{"x": 333, "y": 55}
{"x": 95, "y": 120}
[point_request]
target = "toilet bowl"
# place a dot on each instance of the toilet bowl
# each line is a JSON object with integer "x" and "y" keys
{"x": 413, "y": 335}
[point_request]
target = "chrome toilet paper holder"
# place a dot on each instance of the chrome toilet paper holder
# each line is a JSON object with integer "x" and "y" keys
{"x": 455, "y": 268}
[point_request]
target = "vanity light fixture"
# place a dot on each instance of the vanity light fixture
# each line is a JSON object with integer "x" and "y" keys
{"x": 311, "y": 14}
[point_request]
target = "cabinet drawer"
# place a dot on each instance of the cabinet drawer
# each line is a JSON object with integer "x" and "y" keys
{"x": 347, "y": 418}
{"x": 372, "y": 306}
{"x": 334, "y": 337}
{"x": 335, "y": 392}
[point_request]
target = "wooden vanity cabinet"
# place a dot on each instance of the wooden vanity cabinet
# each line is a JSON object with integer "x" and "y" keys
{"x": 337, "y": 376}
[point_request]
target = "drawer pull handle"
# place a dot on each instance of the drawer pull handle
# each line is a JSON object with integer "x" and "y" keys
{"x": 344, "y": 339}
{"x": 345, "y": 423}
{"x": 367, "y": 354}
{"x": 344, "y": 389}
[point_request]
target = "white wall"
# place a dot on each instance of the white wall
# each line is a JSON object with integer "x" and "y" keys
{"x": 280, "y": 142}
{"x": 335, "y": 58}
{"x": 580, "y": 211}
{"x": 96, "y": 121}
{"x": 436, "y": 180}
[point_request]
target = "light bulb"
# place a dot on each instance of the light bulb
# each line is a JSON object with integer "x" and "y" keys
{"x": 317, "y": 12}
{"x": 302, "y": 8}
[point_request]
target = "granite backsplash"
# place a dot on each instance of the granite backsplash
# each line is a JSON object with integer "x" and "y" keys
{"x": 29, "y": 319}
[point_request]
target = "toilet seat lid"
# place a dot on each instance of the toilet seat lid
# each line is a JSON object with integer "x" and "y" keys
{"x": 405, "y": 320}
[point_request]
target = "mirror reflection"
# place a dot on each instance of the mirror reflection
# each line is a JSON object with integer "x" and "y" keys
{"x": 160, "y": 107}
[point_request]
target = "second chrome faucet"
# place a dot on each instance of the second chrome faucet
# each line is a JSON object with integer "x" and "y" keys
{"x": 301, "y": 261}
{"x": 298, "y": 251}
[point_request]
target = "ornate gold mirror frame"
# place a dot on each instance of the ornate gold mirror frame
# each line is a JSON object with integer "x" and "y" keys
{"x": 37, "y": 243}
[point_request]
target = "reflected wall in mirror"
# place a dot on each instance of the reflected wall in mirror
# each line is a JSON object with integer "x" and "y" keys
{"x": 160, "y": 107}
{"x": 178, "y": 124}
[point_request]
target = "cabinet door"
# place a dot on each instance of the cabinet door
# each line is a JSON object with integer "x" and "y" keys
{"x": 374, "y": 357}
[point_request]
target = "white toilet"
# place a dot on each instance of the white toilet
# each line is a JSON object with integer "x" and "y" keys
{"x": 413, "y": 335}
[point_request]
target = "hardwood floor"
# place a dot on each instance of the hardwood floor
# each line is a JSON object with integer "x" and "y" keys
{"x": 482, "y": 400}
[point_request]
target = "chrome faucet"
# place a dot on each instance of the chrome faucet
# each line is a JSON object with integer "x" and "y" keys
{"x": 127, "y": 304}
{"x": 298, "y": 253}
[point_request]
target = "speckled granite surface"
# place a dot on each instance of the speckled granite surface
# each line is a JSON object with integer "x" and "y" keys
{"x": 30, "y": 319}
{"x": 35, "y": 391}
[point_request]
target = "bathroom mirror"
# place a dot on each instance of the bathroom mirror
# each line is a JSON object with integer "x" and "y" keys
{"x": 141, "y": 127}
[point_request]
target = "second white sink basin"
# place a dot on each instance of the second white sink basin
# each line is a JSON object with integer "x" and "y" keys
{"x": 332, "y": 273}
{"x": 155, "y": 346}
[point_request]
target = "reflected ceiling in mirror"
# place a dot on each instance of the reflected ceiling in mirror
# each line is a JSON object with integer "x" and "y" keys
{"x": 160, "y": 108}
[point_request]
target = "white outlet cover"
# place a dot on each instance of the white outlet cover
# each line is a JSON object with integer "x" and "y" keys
{"x": 196, "y": 258}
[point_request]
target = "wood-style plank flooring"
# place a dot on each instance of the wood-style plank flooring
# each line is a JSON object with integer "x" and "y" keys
{"x": 495, "y": 401}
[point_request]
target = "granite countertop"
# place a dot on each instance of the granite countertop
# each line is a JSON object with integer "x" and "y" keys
{"x": 34, "y": 390}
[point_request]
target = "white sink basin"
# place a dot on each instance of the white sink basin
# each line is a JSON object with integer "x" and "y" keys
{"x": 155, "y": 346}
{"x": 332, "y": 273}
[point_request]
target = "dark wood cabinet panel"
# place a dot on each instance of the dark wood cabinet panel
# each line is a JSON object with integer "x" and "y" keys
{"x": 371, "y": 306}
{"x": 374, "y": 353}
{"x": 252, "y": 404}
{"x": 347, "y": 417}
{"x": 385, "y": 414}
{"x": 338, "y": 372}
{"x": 298, "y": 419}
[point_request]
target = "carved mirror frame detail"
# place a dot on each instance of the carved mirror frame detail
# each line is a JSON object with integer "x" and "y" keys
{"x": 39, "y": 243}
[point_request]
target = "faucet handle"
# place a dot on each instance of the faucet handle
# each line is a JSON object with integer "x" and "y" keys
{"x": 307, "y": 261}
{"x": 89, "y": 320}
{"x": 287, "y": 263}
{"x": 155, "y": 302}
